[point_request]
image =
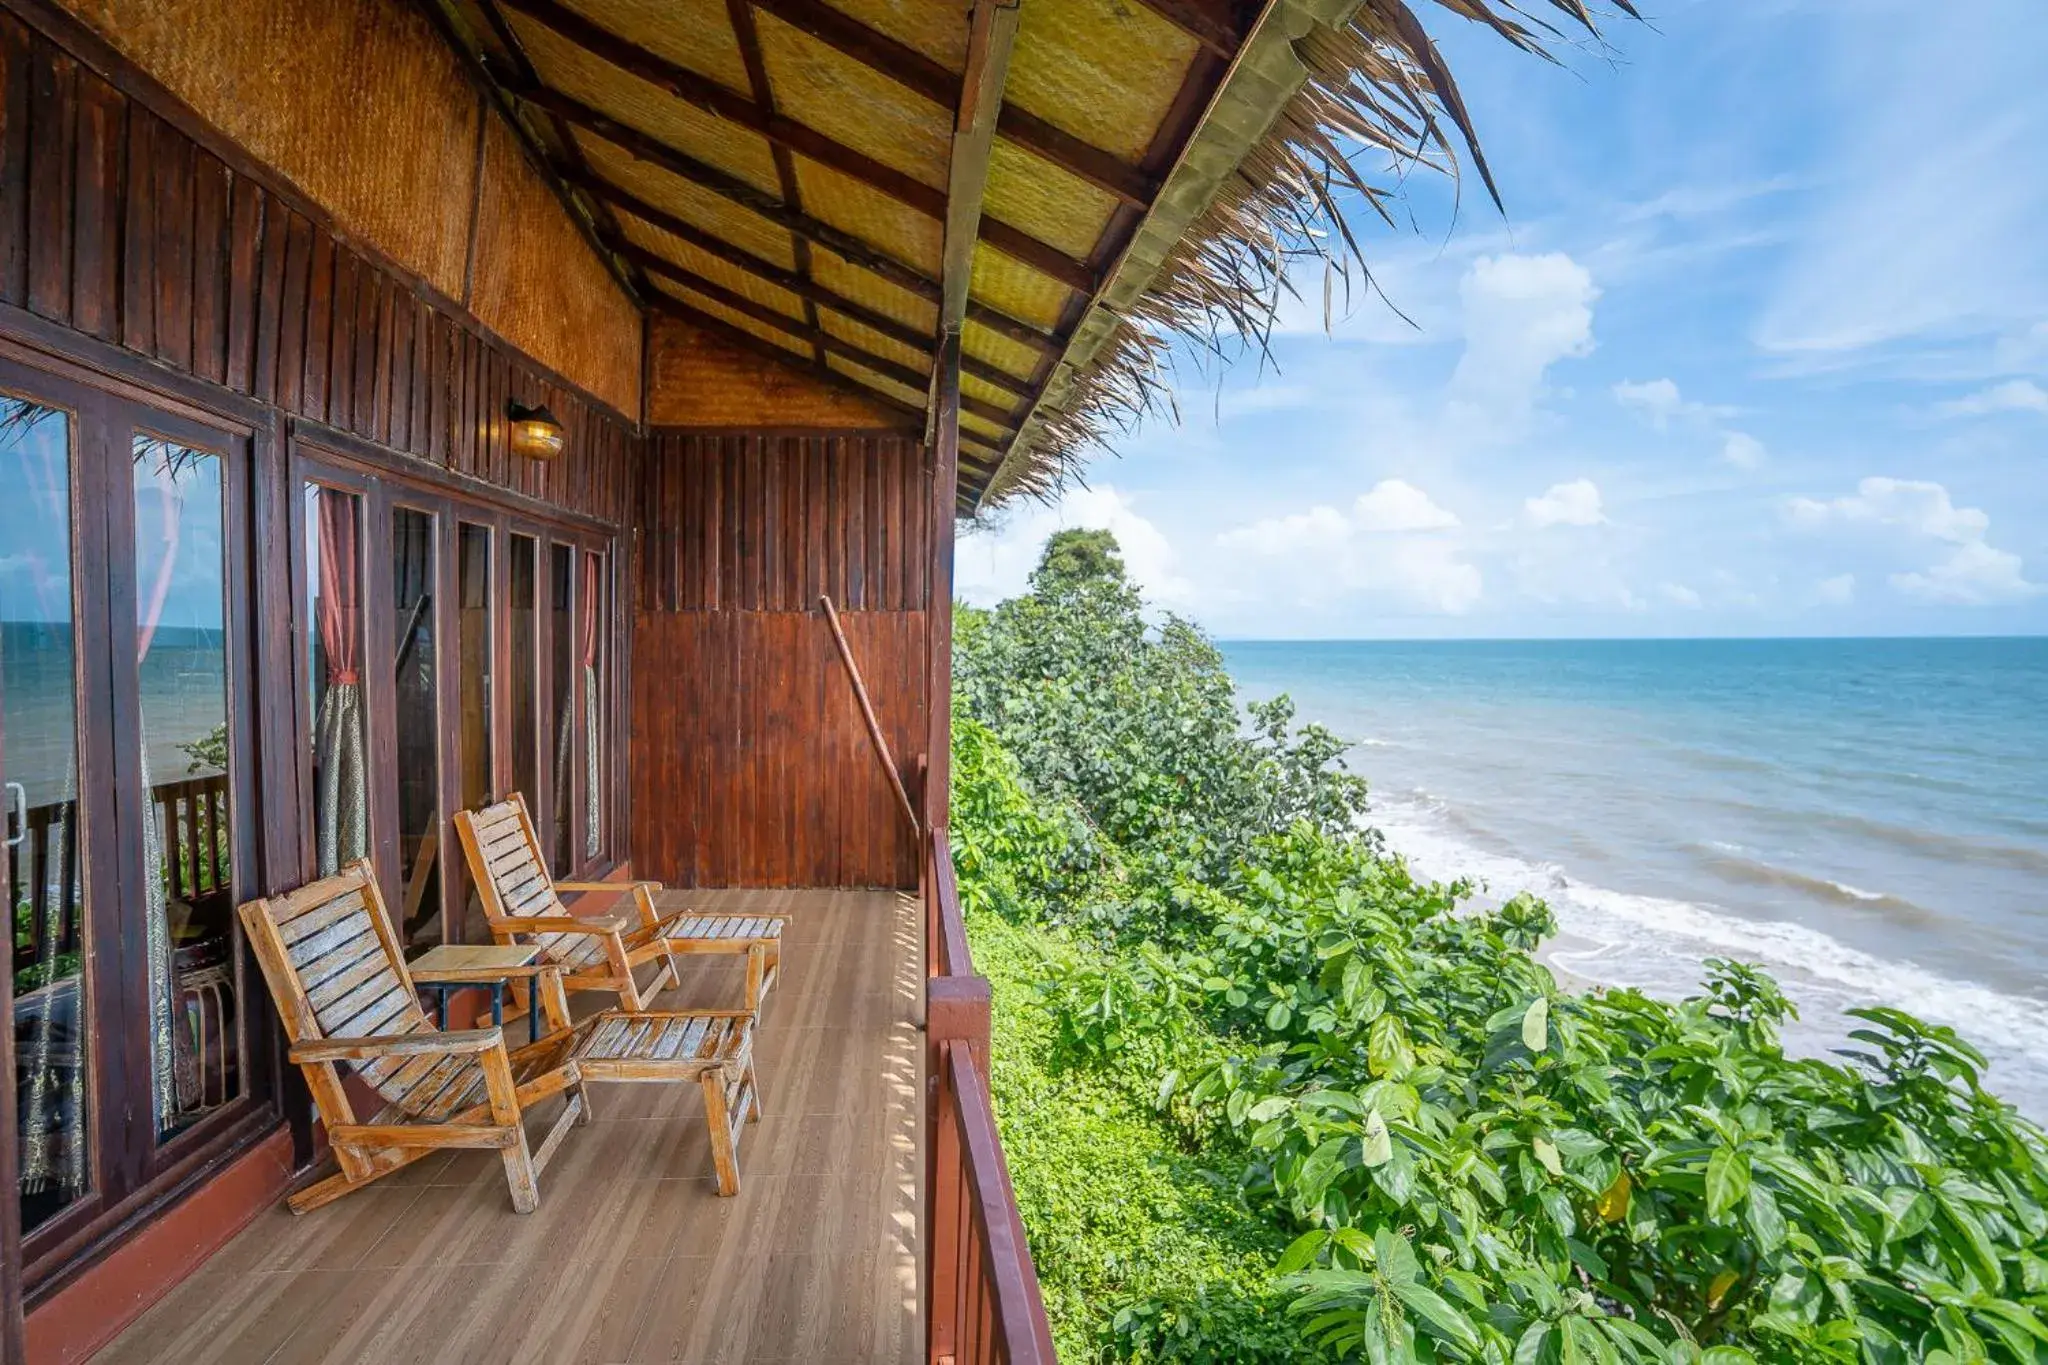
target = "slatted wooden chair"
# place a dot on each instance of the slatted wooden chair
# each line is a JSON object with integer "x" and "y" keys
{"x": 601, "y": 952}
{"x": 333, "y": 965}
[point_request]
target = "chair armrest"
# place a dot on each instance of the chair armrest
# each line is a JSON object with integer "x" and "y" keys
{"x": 565, "y": 924}
{"x": 457, "y": 1043}
{"x": 607, "y": 886}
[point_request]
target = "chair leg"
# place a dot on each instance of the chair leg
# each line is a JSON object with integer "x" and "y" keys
{"x": 582, "y": 1092}
{"x": 323, "y": 1192}
{"x": 521, "y": 1177}
{"x": 720, "y": 1120}
{"x": 754, "y": 1086}
{"x": 757, "y": 964}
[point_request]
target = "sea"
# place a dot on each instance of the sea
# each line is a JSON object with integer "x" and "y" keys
{"x": 1866, "y": 819}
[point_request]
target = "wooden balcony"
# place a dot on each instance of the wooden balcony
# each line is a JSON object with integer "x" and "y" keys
{"x": 632, "y": 1256}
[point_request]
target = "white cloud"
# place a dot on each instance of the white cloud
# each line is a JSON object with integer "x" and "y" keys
{"x": 1743, "y": 450}
{"x": 1522, "y": 315}
{"x": 1838, "y": 591}
{"x": 1662, "y": 403}
{"x": 1391, "y": 545}
{"x": 1396, "y": 505}
{"x": 1678, "y": 595}
{"x": 1918, "y": 506}
{"x": 1973, "y": 573}
{"x": 1567, "y": 504}
{"x": 995, "y": 562}
{"x": 2015, "y": 395}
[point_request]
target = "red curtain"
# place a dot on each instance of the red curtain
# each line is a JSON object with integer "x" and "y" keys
{"x": 340, "y": 603}
{"x": 591, "y": 601}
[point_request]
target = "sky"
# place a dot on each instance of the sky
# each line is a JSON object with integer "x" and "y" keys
{"x": 1758, "y": 347}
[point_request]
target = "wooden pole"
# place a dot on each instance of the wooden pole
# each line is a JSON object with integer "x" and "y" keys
{"x": 867, "y": 712}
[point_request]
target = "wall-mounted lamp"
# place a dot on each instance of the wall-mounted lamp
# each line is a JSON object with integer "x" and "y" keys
{"x": 536, "y": 434}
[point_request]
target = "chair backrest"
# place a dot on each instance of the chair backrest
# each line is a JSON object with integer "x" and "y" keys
{"x": 506, "y": 864}
{"x": 333, "y": 965}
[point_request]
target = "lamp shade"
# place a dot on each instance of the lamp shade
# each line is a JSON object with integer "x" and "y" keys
{"x": 536, "y": 433}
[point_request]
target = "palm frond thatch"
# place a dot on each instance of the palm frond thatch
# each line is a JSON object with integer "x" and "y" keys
{"x": 1376, "y": 88}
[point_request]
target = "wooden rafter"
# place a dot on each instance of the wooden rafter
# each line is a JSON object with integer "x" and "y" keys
{"x": 915, "y": 71}
{"x": 906, "y": 277}
{"x": 740, "y": 14}
{"x": 992, "y": 31}
{"x": 1219, "y": 26}
{"x": 805, "y": 141}
{"x": 820, "y": 340}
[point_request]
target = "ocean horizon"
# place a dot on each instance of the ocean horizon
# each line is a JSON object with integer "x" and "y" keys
{"x": 1865, "y": 817}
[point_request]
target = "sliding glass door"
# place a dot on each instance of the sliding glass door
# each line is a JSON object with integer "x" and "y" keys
{"x": 125, "y": 697}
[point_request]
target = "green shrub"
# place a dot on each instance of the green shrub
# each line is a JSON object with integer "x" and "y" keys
{"x": 1267, "y": 1096}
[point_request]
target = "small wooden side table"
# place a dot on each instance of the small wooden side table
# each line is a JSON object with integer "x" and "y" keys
{"x": 481, "y": 966}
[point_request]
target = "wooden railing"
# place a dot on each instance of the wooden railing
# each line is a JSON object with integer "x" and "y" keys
{"x": 192, "y": 815}
{"x": 981, "y": 1290}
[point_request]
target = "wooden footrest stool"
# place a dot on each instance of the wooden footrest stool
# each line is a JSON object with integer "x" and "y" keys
{"x": 715, "y": 1048}
{"x": 684, "y": 929}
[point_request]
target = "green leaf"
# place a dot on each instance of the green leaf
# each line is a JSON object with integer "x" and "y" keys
{"x": 1766, "y": 1222}
{"x": 1529, "y": 1349}
{"x": 1377, "y": 1147}
{"x": 1727, "y": 1180}
{"x": 1536, "y": 1024}
{"x": 1300, "y": 1252}
{"x": 1446, "y": 1321}
{"x": 1546, "y": 1155}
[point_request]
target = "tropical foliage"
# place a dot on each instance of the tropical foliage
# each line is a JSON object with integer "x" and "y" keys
{"x": 1269, "y": 1097}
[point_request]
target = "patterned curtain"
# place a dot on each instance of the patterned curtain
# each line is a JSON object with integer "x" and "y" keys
{"x": 342, "y": 821}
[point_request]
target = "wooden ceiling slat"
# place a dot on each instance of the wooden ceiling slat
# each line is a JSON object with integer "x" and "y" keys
{"x": 741, "y": 15}
{"x": 911, "y": 68}
{"x": 728, "y": 104}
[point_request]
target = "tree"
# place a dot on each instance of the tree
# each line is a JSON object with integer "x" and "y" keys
{"x": 1074, "y": 558}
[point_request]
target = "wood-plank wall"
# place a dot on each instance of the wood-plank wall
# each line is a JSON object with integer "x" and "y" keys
{"x": 117, "y": 224}
{"x": 750, "y": 762}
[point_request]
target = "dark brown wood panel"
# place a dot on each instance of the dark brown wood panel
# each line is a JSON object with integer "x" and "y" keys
{"x": 750, "y": 762}
{"x": 115, "y": 223}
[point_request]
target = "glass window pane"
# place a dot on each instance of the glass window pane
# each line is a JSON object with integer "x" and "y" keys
{"x": 39, "y": 762}
{"x": 473, "y": 679}
{"x": 564, "y": 645}
{"x": 525, "y": 663}
{"x": 188, "y": 843}
{"x": 593, "y": 713}
{"x": 334, "y": 664}
{"x": 417, "y": 724}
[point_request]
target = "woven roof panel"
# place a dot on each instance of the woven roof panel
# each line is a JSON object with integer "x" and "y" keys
{"x": 1053, "y": 205}
{"x": 863, "y": 108}
{"x": 764, "y": 331}
{"x": 872, "y": 291}
{"x": 933, "y": 27}
{"x": 997, "y": 349}
{"x": 690, "y": 202}
{"x": 1016, "y": 288}
{"x": 705, "y": 265}
{"x": 693, "y": 33}
{"x": 870, "y": 215}
{"x": 648, "y": 108}
{"x": 873, "y": 342}
{"x": 1106, "y": 71}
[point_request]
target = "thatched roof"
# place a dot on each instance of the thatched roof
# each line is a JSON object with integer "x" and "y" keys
{"x": 775, "y": 171}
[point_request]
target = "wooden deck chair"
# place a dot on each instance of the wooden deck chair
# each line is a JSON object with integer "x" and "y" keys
{"x": 601, "y": 952}
{"x": 333, "y": 965}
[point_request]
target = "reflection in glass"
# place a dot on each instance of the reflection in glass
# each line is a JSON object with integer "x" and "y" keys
{"x": 473, "y": 678}
{"x": 39, "y": 762}
{"x": 565, "y": 647}
{"x": 593, "y": 789}
{"x": 524, "y": 664}
{"x": 418, "y": 733}
{"x": 187, "y": 841}
{"x": 334, "y": 666}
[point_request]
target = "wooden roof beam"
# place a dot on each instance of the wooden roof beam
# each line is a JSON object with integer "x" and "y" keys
{"x": 796, "y": 329}
{"x": 992, "y": 31}
{"x": 818, "y": 234}
{"x": 915, "y": 71}
{"x": 1218, "y": 25}
{"x": 738, "y": 109}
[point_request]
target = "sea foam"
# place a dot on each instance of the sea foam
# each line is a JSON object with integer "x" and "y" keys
{"x": 1657, "y": 944}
